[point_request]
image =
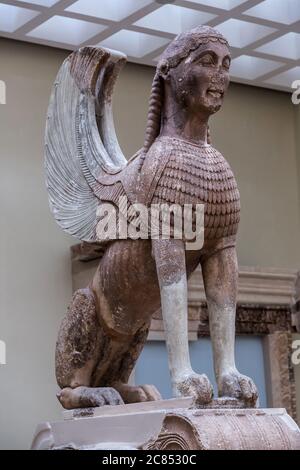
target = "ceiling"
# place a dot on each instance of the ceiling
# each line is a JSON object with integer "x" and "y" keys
{"x": 264, "y": 34}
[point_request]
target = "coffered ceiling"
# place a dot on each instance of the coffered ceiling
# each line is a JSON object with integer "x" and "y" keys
{"x": 264, "y": 34}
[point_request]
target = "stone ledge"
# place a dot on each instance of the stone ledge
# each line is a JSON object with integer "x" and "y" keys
{"x": 171, "y": 425}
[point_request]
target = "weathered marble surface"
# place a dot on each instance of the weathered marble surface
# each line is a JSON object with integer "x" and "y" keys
{"x": 171, "y": 425}
{"x": 107, "y": 322}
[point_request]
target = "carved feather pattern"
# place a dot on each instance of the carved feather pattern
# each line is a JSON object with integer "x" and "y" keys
{"x": 79, "y": 148}
{"x": 200, "y": 174}
{"x": 85, "y": 166}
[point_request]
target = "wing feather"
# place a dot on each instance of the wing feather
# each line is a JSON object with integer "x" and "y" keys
{"x": 80, "y": 140}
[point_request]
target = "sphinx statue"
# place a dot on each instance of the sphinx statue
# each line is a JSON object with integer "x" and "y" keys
{"x": 107, "y": 323}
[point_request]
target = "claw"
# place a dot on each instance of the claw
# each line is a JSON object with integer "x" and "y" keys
{"x": 235, "y": 385}
{"x": 86, "y": 397}
{"x": 196, "y": 386}
{"x": 137, "y": 393}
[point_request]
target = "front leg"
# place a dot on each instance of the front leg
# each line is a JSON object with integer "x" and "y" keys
{"x": 170, "y": 264}
{"x": 220, "y": 276}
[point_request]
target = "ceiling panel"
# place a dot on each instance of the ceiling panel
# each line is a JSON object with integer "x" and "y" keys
{"x": 287, "y": 46}
{"x": 281, "y": 11}
{"x": 134, "y": 44}
{"x": 13, "y": 17}
{"x": 241, "y": 33}
{"x": 264, "y": 34}
{"x": 44, "y": 3}
{"x": 114, "y": 10}
{"x": 285, "y": 77}
{"x": 66, "y": 30}
{"x": 224, "y": 4}
{"x": 174, "y": 19}
{"x": 249, "y": 67}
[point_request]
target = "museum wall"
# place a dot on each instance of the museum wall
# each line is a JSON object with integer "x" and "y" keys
{"x": 297, "y": 140}
{"x": 256, "y": 133}
{"x": 35, "y": 282}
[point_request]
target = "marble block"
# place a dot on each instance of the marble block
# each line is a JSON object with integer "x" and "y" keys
{"x": 171, "y": 425}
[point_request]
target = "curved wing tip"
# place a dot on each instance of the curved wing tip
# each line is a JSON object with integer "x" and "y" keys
{"x": 117, "y": 55}
{"x": 114, "y": 53}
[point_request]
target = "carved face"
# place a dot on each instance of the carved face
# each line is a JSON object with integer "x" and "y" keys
{"x": 200, "y": 81}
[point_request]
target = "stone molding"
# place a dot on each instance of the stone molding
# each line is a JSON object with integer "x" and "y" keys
{"x": 170, "y": 425}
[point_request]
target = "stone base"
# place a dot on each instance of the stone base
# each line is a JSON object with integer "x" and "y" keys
{"x": 171, "y": 425}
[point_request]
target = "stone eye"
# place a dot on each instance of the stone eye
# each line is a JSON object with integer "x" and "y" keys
{"x": 206, "y": 60}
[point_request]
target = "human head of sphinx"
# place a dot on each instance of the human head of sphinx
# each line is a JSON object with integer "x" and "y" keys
{"x": 192, "y": 72}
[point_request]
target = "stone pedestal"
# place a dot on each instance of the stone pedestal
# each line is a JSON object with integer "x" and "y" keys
{"x": 171, "y": 425}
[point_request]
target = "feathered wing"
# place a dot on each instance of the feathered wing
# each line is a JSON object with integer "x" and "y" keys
{"x": 80, "y": 142}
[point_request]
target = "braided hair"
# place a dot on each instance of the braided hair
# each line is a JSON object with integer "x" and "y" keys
{"x": 176, "y": 51}
{"x": 154, "y": 112}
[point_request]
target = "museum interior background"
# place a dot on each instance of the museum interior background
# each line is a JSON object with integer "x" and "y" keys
{"x": 258, "y": 133}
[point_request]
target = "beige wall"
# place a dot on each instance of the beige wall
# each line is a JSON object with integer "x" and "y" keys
{"x": 261, "y": 149}
{"x": 297, "y": 144}
{"x": 256, "y": 133}
{"x": 35, "y": 283}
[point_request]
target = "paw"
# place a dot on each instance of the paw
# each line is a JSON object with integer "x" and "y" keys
{"x": 139, "y": 393}
{"x": 86, "y": 397}
{"x": 196, "y": 386}
{"x": 65, "y": 397}
{"x": 151, "y": 392}
{"x": 235, "y": 385}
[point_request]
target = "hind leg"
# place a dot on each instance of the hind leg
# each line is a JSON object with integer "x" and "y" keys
{"x": 122, "y": 362}
{"x": 79, "y": 344}
{"x": 86, "y": 357}
{"x": 134, "y": 393}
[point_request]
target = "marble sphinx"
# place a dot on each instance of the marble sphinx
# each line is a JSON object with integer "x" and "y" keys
{"x": 106, "y": 325}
